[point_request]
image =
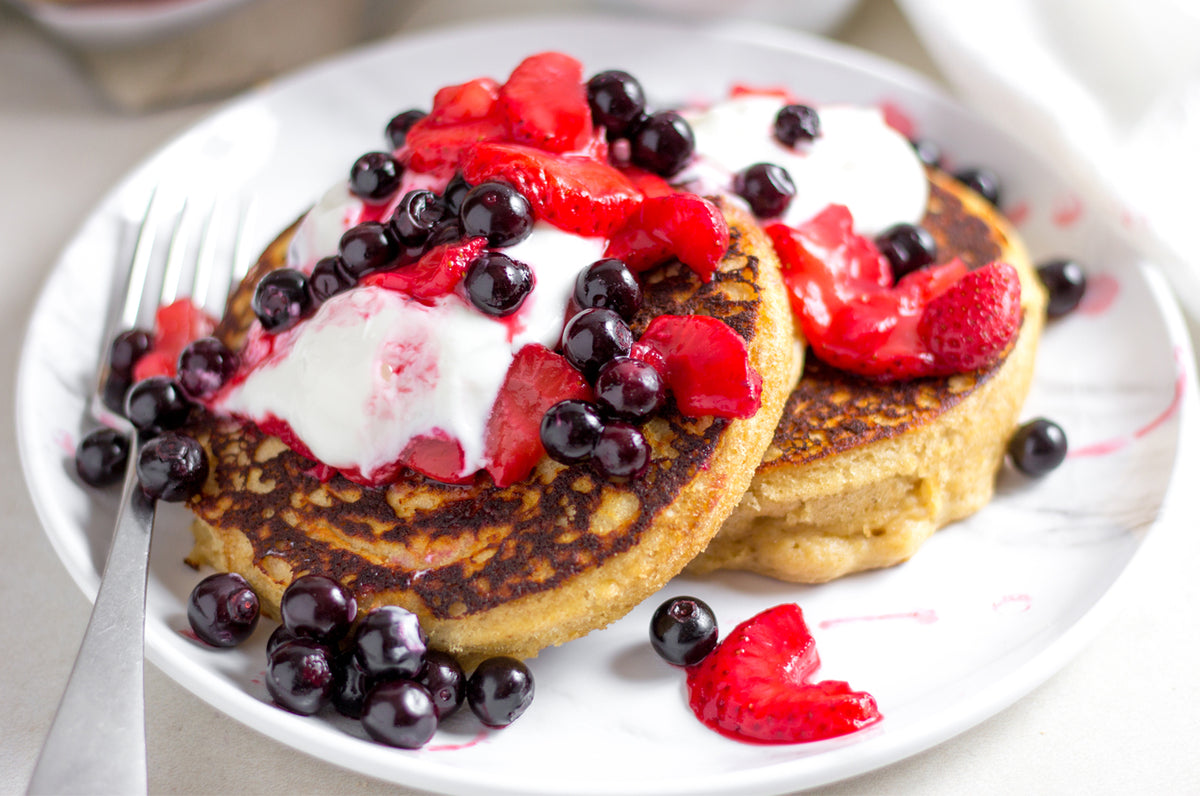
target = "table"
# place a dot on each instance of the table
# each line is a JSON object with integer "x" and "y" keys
{"x": 1124, "y": 716}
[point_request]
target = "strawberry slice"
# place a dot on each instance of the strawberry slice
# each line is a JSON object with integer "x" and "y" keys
{"x": 680, "y": 225}
{"x": 436, "y": 456}
{"x": 175, "y": 325}
{"x": 439, "y": 151}
{"x": 756, "y": 685}
{"x": 970, "y": 324}
{"x": 707, "y": 365}
{"x": 573, "y": 192}
{"x": 649, "y": 183}
{"x": 545, "y": 103}
{"x": 470, "y": 101}
{"x": 537, "y": 379}
{"x": 436, "y": 274}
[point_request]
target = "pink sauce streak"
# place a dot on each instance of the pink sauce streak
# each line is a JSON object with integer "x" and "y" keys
{"x": 1117, "y": 443}
{"x": 454, "y": 747}
{"x": 1021, "y": 602}
{"x": 65, "y": 442}
{"x": 1018, "y": 214}
{"x": 898, "y": 119}
{"x": 1068, "y": 211}
{"x": 1101, "y": 293}
{"x": 188, "y": 633}
{"x": 924, "y": 616}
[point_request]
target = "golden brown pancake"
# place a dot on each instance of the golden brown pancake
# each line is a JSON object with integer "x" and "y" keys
{"x": 860, "y": 472}
{"x": 506, "y": 571}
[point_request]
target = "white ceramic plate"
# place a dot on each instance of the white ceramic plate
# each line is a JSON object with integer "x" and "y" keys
{"x": 986, "y": 611}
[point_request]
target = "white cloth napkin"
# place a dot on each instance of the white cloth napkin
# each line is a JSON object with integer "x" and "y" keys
{"x": 1109, "y": 90}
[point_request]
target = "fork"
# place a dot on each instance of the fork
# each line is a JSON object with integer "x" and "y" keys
{"x": 97, "y": 741}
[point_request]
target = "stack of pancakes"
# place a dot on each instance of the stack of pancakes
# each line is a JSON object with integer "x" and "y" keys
{"x": 836, "y": 475}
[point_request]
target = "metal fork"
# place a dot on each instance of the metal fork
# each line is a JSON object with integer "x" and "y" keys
{"x": 97, "y": 741}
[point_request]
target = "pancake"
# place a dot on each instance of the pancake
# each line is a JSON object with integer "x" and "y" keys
{"x": 860, "y": 473}
{"x": 506, "y": 571}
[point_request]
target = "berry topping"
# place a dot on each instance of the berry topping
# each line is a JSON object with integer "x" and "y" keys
{"x": 375, "y": 176}
{"x": 157, "y": 403}
{"x": 281, "y": 299}
{"x": 500, "y": 690}
{"x": 223, "y": 609}
{"x": 536, "y": 380}
{"x": 175, "y": 325}
{"x": 436, "y": 274}
{"x": 983, "y": 181}
{"x": 116, "y": 387}
{"x": 279, "y": 636}
{"x": 417, "y": 215}
{"x": 629, "y": 389}
{"x": 496, "y": 211}
{"x": 318, "y": 607}
{"x": 679, "y": 225}
{"x": 390, "y": 642}
{"x": 171, "y": 467}
{"x": 400, "y": 713}
{"x": 453, "y": 195}
{"x": 462, "y": 116}
{"x": 368, "y": 247}
{"x": 100, "y": 457}
{"x": 351, "y": 684}
{"x": 907, "y": 247}
{"x": 663, "y": 143}
{"x": 400, "y": 124}
{"x": 300, "y": 676}
{"x": 593, "y": 337}
{"x": 707, "y": 365}
{"x": 610, "y": 285}
{"x": 795, "y": 124}
{"x": 127, "y": 348}
{"x": 756, "y": 685}
{"x": 573, "y": 192}
{"x": 443, "y": 677}
{"x": 329, "y": 277}
{"x": 616, "y": 100}
{"x": 767, "y": 188}
{"x": 683, "y": 631}
{"x": 204, "y": 366}
{"x": 569, "y": 431}
{"x": 1038, "y": 447}
{"x": 1065, "y": 282}
{"x": 621, "y": 451}
{"x": 497, "y": 284}
{"x": 970, "y": 324}
{"x": 546, "y": 104}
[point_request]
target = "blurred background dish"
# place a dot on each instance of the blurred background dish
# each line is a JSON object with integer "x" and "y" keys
{"x": 107, "y": 24}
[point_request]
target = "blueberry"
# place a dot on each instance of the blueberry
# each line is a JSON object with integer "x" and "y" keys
{"x": 204, "y": 366}
{"x": 300, "y": 676}
{"x": 629, "y": 389}
{"x": 663, "y": 143}
{"x": 984, "y": 182}
{"x": 621, "y": 451}
{"x": 570, "y": 430}
{"x": 454, "y": 192}
{"x": 101, "y": 456}
{"x": 318, "y": 607}
{"x": 796, "y": 123}
{"x": 172, "y": 467}
{"x": 594, "y": 336}
{"x": 766, "y": 187}
{"x": 683, "y": 631}
{"x": 1038, "y": 447}
{"x": 116, "y": 388}
{"x": 329, "y": 277}
{"x": 351, "y": 684}
{"x": 498, "y": 212}
{"x": 375, "y": 176}
{"x": 907, "y": 248}
{"x": 443, "y": 677}
{"x": 281, "y": 299}
{"x": 608, "y": 284}
{"x": 1065, "y": 282}
{"x": 367, "y": 247}
{"x": 616, "y": 100}
{"x": 279, "y": 636}
{"x": 497, "y": 284}
{"x": 127, "y": 348}
{"x": 928, "y": 152}
{"x": 448, "y": 230}
{"x": 400, "y": 713}
{"x": 500, "y": 690}
{"x": 389, "y": 643}
{"x": 157, "y": 404}
{"x": 416, "y": 216}
{"x": 400, "y": 124}
{"x": 223, "y": 609}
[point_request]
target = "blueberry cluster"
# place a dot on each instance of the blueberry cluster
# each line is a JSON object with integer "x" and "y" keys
{"x": 379, "y": 670}
{"x": 982, "y": 180}
{"x": 660, "y": 142}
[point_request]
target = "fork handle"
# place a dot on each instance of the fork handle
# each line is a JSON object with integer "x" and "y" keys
{"x": 97, "y": 742}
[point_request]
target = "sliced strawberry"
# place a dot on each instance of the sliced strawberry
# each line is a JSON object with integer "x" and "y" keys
{"x": 545, "y": 103}
{"x": 537, "y": 379}
{"x": 438, "y": 457}
{"x": 707, "y": 365}
{"x": 436, "y": 274}
{"x": 440, "y": 150}
{"x": 970, "y": 324}
{"x": 745, "y": 90}
{"x": 649, "y": 183}
{"x": 175, "y": 325}
{"x": 470, "y": 101}
{"x": 680, "y": 225}
{"x": 153, "y": 363}
{"x": 573, "y": 192}
{"x": 756, "y": 685}
{"x": 651, "y": 356}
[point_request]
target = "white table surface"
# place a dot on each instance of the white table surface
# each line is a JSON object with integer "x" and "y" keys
{"x": 1123, "y": 717}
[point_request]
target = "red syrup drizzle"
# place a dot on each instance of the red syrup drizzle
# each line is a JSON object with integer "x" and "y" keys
{"x": 1068, "y": 211}
{"x": 1018, "y": 213}
{"x": 1117, "y": 443}
{"x": 1102, "y": 290}
{"x": 64, "y": 441}
{"x": 454, "y": 747}
{"x": 922, "y": 616}
{"x": 897, "y": 118}
{"x": 1020, "y": 602}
